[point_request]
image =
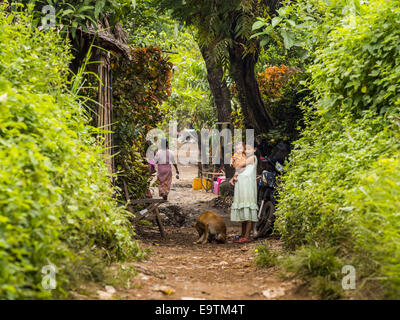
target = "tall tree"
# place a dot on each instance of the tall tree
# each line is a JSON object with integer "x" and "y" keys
{"x": 218, "y": 86}
{"x": 221, "y": 94}
{"x": 224, "y": 28}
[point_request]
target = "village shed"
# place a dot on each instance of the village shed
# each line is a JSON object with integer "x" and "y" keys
{"x": 105, "y": 43}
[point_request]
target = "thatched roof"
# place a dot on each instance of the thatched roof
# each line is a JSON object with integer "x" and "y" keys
{"x": 115, "y": 41}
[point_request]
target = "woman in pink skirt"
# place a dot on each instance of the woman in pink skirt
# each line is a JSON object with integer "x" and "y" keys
{"x": 164, "y": 158}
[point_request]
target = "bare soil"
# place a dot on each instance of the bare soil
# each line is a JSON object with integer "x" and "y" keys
{"x": 178, "y": 269}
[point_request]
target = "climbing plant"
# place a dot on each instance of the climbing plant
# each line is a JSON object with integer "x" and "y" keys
{"x": 139, "y": 87}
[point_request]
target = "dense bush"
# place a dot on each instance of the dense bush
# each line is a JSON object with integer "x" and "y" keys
{"x": 282, "y": 91}
{"x": 55, "y": 199}
{"x": 342, "y": 184}
{"x": 139, "y": 87}
{"x": 376, "y": 204}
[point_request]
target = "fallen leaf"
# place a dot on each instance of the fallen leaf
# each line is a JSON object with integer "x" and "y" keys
{"x": 168, "y": 291}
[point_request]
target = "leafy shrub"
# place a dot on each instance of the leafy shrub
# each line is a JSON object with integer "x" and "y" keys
{"x": 323, "y": 171}
{"x": 265, "y": 257}
{"x": 360, "y": 69}
{"x": 320, "y": 267}
{"x": 282, "y": 91}
{"x": 77, "y": 13}
{"x": 312, "y": 262}
{"x": 326, "y": 288}
{"x": 56, "y": 202}
{"x": 375, "y": 205}
{"x": 273, "y": 79}
{"x": 139, "y": 87}
{"x": 341, "y": 186}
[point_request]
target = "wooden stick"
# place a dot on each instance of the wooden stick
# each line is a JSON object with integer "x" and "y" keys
{"x": 148, "y": 200}
{"x": 128, "y": 201}
{"x": 158, "y": 219}
{"x": 149, "y": 209}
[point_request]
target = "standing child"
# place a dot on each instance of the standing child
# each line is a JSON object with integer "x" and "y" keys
{"x": 238, "y": 158}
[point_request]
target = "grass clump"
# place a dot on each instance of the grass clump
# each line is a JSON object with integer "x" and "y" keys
{"x": 320, "y": 268}
{"x": 265, "y": 257}
{"x": 313, "y": 262}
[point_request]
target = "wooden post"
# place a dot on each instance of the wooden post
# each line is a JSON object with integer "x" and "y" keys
{"x": 104, "y": 110}
{"x": 158, "y": 219}
{"x": 154, "y": 203}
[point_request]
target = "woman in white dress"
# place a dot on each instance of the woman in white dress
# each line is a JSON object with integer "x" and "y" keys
{"x": 244, "y": 207}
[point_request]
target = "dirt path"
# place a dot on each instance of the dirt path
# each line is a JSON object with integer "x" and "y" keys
{"x": 178, "y": 269}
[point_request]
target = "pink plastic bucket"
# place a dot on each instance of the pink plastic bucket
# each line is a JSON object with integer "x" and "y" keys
{"x": 216, "y": 187}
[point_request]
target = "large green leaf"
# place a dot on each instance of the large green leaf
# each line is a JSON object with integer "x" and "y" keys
{"x": 275, "y": 21}
{"x": 288, "y": 39}
{"x": 98, "y": 8}
{"x": 258, "y": 25}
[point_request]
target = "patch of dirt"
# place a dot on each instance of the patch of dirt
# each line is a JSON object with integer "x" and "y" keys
{"x": 210, "y": 271}
{"x": 178, "y": 269}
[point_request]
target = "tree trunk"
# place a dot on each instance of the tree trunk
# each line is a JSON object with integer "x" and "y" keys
{"x": 242, "y": 71}
{"x": 218, "y": 87}
{"x": 222, "y": 97}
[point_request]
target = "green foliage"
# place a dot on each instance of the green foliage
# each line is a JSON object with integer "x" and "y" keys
{"x": 298, "y": 27}
{"x": 76, "y": 14}
{"x": 326, "y": 289}
{"x": 312, "y": 262}
{"x": 191, "y": 102}
{"x": 318, "y": 266}
{"x": 375, "y": 205}
{"x": 361, "y": 77}
{"x": 282, "y": 21}
{"x": 147, "y": 27}
{"x": 139, "y": 87}
{"x": 340, "y": 189}
{"x": 282, "y": 91}
{"x": 342, "y": 149}
{"x": 120, "y": 276}
{"x": 265, "y": 257}
{"x": 55, "y": 198}
{"x": 220, "y": 24}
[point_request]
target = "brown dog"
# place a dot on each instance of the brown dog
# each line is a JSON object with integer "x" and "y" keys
{"x": 210, "y": 226}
